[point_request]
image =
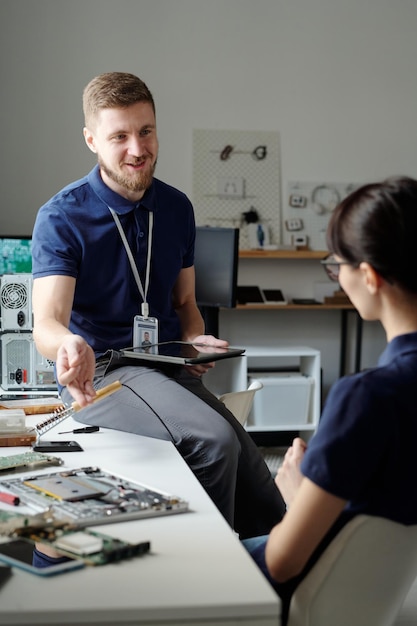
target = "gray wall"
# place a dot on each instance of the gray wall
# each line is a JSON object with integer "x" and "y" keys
{"x": 336, "y": 78}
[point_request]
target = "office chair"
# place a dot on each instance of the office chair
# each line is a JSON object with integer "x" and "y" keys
{"x": 361, "y": 579}
{"x": 240, "y": 402}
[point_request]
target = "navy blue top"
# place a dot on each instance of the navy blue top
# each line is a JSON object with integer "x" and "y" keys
{"x": 364, "y": 448}
{"x": 76, "y": 235}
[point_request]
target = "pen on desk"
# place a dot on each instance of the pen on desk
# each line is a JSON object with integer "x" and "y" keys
{"x": 87, "y": 429}
{"x": 9, "y": 498}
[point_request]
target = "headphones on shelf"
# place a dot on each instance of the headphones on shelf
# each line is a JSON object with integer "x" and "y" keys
{"x": 324, "y": 199}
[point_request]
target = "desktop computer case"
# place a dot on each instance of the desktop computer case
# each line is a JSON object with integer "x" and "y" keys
{"x": 16, "y": 302}
{"x": 23, "y": 368}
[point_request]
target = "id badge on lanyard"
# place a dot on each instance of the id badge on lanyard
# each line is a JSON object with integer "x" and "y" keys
{"x": 145, "y": 333}
{"x": 145, "y": 328}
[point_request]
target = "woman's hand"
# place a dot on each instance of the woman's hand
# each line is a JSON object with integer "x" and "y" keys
{"x": 289, "y": 476}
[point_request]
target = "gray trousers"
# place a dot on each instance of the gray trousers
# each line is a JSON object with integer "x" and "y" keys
{"x": 168, "y": 403}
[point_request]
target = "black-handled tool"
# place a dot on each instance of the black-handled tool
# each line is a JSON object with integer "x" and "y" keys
{"x": 87, "y": 429}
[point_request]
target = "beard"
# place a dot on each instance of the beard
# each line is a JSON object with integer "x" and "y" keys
{"x": 139, "y": 181}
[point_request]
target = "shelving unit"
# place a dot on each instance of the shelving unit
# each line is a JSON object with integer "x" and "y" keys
{"x": 283, "y": 254}
{"x": 265, "y": 257}
{"x": 233, "y": 375}
{"x": 298, "y": 307}
{"x": 288, "y": 255}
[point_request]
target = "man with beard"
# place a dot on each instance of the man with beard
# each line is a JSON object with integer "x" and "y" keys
{"x": 118, "y": 244}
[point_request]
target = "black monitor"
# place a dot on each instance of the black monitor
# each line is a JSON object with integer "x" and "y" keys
{"x": 15, "y": 254}
{"x": 216, "y": 264}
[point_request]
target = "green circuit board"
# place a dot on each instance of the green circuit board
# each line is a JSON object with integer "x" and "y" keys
{"x": 27, "y": 461}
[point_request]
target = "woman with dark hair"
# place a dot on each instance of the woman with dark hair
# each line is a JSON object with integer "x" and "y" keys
{"x": 361, "y": 459}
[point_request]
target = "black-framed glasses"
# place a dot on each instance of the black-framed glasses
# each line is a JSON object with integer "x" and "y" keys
{"x": 332, "y": 267}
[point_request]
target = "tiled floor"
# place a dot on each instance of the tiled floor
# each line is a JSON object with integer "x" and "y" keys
{"x": 273, "y": 457}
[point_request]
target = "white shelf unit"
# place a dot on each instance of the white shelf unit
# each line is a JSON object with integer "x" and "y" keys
{"x": 233, "y": 375}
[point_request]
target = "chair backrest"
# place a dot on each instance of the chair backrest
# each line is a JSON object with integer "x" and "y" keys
{"x": 240, "y": 402}
{"x": 361, "y": 579}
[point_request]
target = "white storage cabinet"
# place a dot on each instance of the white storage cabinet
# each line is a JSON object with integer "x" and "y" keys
{"x": 289, "y": 400}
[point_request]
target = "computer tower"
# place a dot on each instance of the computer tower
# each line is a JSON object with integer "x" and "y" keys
{"x": 16, "y": 302}
{"x": 22, "y": 367}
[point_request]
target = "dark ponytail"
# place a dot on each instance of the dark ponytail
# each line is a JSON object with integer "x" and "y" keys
{"x": 377, "y": 223}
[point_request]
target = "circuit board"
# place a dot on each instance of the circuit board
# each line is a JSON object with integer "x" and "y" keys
{"x": 77, "y": 498}
{"x": 90, "y": 546}
{"x": 27, "y": 461}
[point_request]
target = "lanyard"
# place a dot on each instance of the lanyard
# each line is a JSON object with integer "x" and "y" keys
{"x": 143, "y": 292}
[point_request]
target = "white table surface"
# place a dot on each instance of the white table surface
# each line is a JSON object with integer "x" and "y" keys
{"x": 197, "y": 571}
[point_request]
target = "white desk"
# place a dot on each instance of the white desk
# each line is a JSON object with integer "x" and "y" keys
{"x": 197, "y": 571}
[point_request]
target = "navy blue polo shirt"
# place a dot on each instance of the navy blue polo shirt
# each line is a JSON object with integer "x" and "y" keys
{"x": 76, "y": 235}
{"x": 364, "y": 448}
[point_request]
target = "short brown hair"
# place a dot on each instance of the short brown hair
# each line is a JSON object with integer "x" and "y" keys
{"x": 113, "y": 90}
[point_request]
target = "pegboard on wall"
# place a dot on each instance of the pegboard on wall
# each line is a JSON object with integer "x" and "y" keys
{"x": 307, "y": 210}
{"x": 235, "y": 172}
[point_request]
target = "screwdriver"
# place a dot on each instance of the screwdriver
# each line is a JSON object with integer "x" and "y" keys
{"x": 87, "y": 429}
